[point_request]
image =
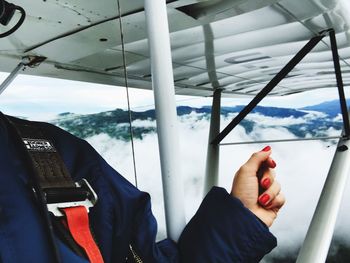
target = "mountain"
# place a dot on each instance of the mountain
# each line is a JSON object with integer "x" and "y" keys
{"x": 266, "y": 111}
{"x": 116, "y": 123}
{"x": 331, "y": 108}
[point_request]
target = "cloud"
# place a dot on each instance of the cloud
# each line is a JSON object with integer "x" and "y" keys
{"x": 339, "y": 117}
{"x": 301, "y": 168}
{"x": 314, "y": 114}
{"x": 272, "y": 121}
{"x": 143, "y": 124}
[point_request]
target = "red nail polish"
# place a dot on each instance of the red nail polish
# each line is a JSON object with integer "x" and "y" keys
{"x": 266, "y": 149}
{"x": 264, "y": 199}
{"x": 273, "y": 164}
{"x": 266, "y": 183}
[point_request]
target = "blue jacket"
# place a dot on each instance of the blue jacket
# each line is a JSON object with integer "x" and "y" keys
{"x": 222, "y": 230}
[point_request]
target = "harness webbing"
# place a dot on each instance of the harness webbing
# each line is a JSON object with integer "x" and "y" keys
{"x": 52, "y": 184}
{"x": 50, "y": 168}
{"x": 78, "y": 225}
{"x": 34, "y": 184}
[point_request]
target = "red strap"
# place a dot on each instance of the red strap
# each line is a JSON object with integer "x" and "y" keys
{"x": 78, "y": 225}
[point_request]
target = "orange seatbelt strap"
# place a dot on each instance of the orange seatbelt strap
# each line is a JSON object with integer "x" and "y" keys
{"x": 78, "y": 225}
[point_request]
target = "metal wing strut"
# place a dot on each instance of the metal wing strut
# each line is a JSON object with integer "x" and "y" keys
{"x": 283, "y": 73}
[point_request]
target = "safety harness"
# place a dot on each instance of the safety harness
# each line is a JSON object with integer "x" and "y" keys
{"x": 64, "y": 203}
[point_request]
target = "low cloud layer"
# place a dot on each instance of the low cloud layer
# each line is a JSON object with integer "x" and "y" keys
{"x": 302, "y": 168}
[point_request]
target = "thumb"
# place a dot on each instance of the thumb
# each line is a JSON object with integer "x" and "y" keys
{"x": 258, "y": 158}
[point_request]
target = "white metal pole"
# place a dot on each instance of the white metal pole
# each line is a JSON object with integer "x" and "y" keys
{"x": 11, "y": 77}
{"x": 164, "y": 96}
{"x": 213, "y": 152}
{"x": 320, "y": 232}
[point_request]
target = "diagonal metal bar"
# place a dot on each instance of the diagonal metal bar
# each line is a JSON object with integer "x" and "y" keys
{"x": 31, "y": 61}
{"x": 283, "y": 140}
{"x": 11, "y": 77}
{"x": 272, "y": 84}
{"x": 344, "y": 108}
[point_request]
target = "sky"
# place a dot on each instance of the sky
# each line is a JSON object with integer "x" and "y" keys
{"x": 42, "y": 98}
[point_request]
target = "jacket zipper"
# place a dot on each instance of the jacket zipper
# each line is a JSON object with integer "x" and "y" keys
{"x": 136, "y": 257}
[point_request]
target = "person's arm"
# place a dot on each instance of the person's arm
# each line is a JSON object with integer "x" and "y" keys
{"x": 234, "y": 227}
{"x": 223, "y": 229}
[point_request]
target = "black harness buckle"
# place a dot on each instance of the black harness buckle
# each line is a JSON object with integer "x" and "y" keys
{"x": 81, "y": 195}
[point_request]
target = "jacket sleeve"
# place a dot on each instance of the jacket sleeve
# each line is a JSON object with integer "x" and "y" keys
{"x": 223, "y": 230}
{"x": 144, "y": 234}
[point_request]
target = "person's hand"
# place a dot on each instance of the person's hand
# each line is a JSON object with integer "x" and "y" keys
{"x": 255, "y": 185}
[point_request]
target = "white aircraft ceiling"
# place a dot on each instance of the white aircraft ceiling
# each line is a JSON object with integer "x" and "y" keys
{"x": 237, "y": 46}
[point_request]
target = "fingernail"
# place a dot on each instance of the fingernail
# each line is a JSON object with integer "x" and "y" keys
{"x": 266, "y": 149}
{"x": 264, "y": 199}
{"x": 266, "y": 183}
{"x": 273, "y": 164}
